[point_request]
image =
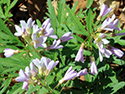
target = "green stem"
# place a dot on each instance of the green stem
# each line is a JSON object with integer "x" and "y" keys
{"x": 64, "y": 86}
{"x": 5, "y": 20}
{"x": 55, "y": 87}
{"x": 10, "y": 22}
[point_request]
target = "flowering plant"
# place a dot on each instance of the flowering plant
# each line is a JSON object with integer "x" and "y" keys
{"x": 62, "y": 50}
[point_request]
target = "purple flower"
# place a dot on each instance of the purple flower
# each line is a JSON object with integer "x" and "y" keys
{"x": 82, "y": 72}
{"x": 24, "y": 30}
{"x": 104, "y": 10}
{"x": 32, "y": 71}
{"x": 100, "y": 41}
{"x": 23, "y": 78}
{"x": 46, "y": 29}
{"x": 26, "y": 77}
{"x": 40, "y": 64}
{"x": 109, "y": 24}
{"x": 119, "y": 34}
{"x": 36, "y": 29}
{"x": 27, "y": 26}
{"x": 39, "y": 42}
{"x": 117, "y": 52}
{"x": 67, "y": 36}
{"x": 29, "y": 23}
{"x": 45, "y": 63}
{"x": 93, "y": 66}
{"x": 70, "y": 74}
{"x": 9, "y": 52}
{"x": 79, "y": 57}
{"x": 20, "y": 31}
{"x": 50, "y": 66}
{"x": 55, "y": 45}
{"x": 105, "y": 52}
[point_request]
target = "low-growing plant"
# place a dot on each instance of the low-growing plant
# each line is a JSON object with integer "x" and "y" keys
{"x": 61, "y": 50}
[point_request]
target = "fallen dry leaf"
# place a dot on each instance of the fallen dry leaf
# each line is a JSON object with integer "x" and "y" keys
{"x": 81, "y": 4}
{"x": 122, "y": 20}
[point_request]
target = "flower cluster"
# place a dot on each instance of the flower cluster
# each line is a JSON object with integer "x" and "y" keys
{"x": 70, "y": 74}
{"x": 30, "y": 76}
{"x": 109, "y": 24}
{"x": 37, "y": 37}
{"x": 27, "y": 76}
{"x": 45, "y": 65}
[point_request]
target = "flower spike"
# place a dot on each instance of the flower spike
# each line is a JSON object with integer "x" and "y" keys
{"x": 93, "y": 66}
{"x": 70, "y": 74}
{"x": 79, "y": 57}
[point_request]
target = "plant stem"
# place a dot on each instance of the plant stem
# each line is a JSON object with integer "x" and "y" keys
{"x": 10, "y": 22}
{"x": 64, "y": 86}
{"x": 55, "y": 87}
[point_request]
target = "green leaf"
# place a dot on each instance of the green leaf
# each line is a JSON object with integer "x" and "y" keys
{"x": 61, "y": 12}
{"x": 86, "y": 52}
{"x": 4, "y": 27}
{"x": 9, "y": 70}
{"x": 12, "y": 4}
{"x": 89, "y": 3}
{"x": 76, "y": 21}
{"x": 19, "y": 63}
{"x": 52, "y": 15}
{"x": 38, "y": 23}
{"x": 5, "y": 84}
{"x": 50, "y": 79}
{"x": 89, "y": 20}
{"x": 17, "y": 89}
{"x": 1, "y": 13}
{"x": 1, "y": 49}
{"x": 119, "y": 61}
{"x": 74, "y": 7}
{"x": 32, "y": 89}
{"x": 121, "y": 42}
{"x": 9, "y": 7}
{"x": 42, "y": 91}
{"x": 117, "y": 86}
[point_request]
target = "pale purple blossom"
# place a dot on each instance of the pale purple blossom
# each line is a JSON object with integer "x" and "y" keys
{"x": 119, "y": 34}
{"x": 110, "y": 24}
{"x": 104, "y": 10}
{"x": 41, "y": 64}
{"x": 31, "y": 71}
{"x": 36, "y": 29}
{"x": 82, "y": 73}
{"x": 50, "y": 66}
{"x": 26, "y": 77}
{"x": 55, "y": 45}
{"x": 27, "y": 25}
{"x": 45, "y": 65}
{"x": 23, "y": 78}
{"x": 20, "y": 31}
{"x": 93, "y": 66}
{"x": 47, "y": 30}
{"x": 39, "y": 42}
{"x": 67, "y": 36}
{"x": 117, "y": 52}
{"x": 79, "y": 57}
{"x": 9, "y": 52}
{"x": 70, "y": 74}
{"x": 100, "y": 41}
{"x": 24, "y": 30}
{"x": 104, "y": 52}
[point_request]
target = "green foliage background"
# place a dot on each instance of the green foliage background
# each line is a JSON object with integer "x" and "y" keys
{"x": 105, "y": 82}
